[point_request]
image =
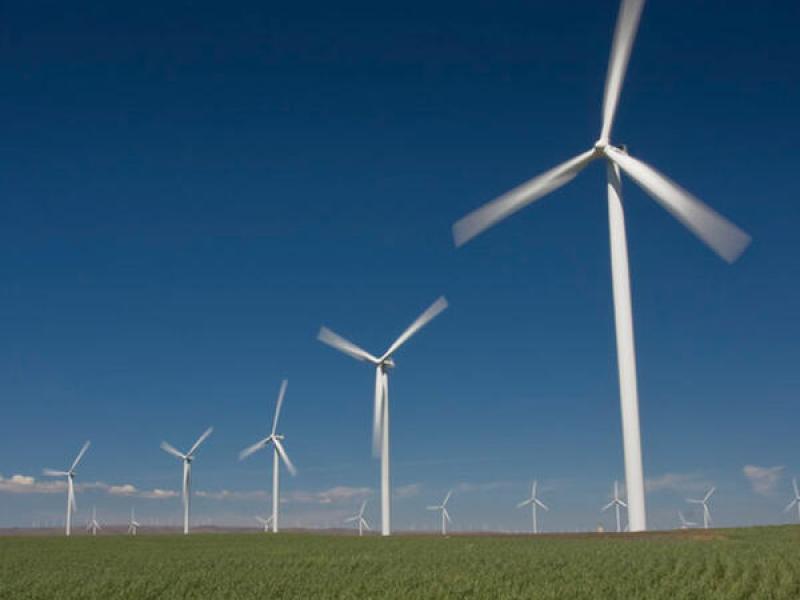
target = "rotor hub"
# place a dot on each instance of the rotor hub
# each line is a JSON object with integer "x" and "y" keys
{"x": 388, "y": 363}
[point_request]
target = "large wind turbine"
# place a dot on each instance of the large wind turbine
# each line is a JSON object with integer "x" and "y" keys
{"x": 133, "y": 525}
{"x": 796, "y": 500}
{"x": 534, "y": 501}
{"x": 277, "y": 451}
{"x": 92, "y": 526}
{"x": 704, "y": 502}
{"x": 445, "y": 515}
{"x": 187, "y": 472}
{"x": 380, "y": 424}
{"x": 617, "y": 503}
{"x": 359, "y": 518}
{"x": 70, "y": 475}
{"x": 722, "y": 236}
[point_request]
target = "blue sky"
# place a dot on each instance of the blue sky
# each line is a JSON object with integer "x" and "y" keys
{"x": 190, "y": 191}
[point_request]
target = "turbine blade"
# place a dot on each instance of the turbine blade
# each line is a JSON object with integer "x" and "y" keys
{"x": 199, "y": 441}
{"x": 351, "y": 519}
{"x": 446, "y": 515}
{"x": 625, "y": 33}
{"x": 285, "y": 457}
{"x": 434, "y": 309}
{"x": 432, "y": 507}
{"x": 622, "y": 503}
{"x": 80, "y": 455}
{"x": 364, "y": 522}
{"x": 54, "y": 473}
{"x": 254, "y": 448}
{"x": 719, "y": 234}
{"x": 709, "y": 494}
{"x": 334, "y": 340}
{"x": 281, "y": 394}
{"x": 446, "y": 498}
{"x": 607, "y": 506}
{"x": 71, "y": 494}
{"x": 166, "y": 447}
{"x": 794, "y": 484}
{"x": 790, "y": 505}
{"x": 521, "y": 196}
{"x": 524, "y": 503}
{"x": 377, "y": 418}
{"x": 542, "y": 504}
{"x": 363, "y": 508}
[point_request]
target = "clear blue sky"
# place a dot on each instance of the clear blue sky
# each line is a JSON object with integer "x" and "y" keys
{"x": 189, "y": 191}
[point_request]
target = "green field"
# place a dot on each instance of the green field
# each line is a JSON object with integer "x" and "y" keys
{"x": 736, "y": 563}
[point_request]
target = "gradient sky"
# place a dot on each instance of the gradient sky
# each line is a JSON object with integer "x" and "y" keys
{"x": 190, "y": 190}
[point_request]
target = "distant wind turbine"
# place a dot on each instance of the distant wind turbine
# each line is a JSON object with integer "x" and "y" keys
{"x": 445, "y": 515}
{"x": 534, "y": 502}
{"x": 722, "y": 236}
{"x": 265, "y": 522}
{"x": 704, "y": 502}
{"x": 796, "y": 500}
{"x": 92, "y": 526}
{"x": 187, "y": 472}
{"x": 133, "y": 524}
{"x": 684, "y": 523}
{"x": 277, "y": 451}
{"x": 359, "y": 519}
{"x": 380, "y": 424}
{"x": 617, "y": 503}
{"x": 72, "y": 506}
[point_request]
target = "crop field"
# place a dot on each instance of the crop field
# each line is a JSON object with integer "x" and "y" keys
{"x": 735, "y": 563}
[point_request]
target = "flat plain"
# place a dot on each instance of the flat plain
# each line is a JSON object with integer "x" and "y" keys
{"x": 761, "y": 562}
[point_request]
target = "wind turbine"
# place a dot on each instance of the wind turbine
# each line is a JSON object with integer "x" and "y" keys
{"x": 617, "y": 503}
{"x": 380, "y": 423}
{"x": 72, "y": 506}
{"x": 187, "y": 472}
{"x": 796, "y": 500}
{"x": 133, "y": 524}
{"x": 359, "y": 518}
{"x": 534, "y": 502}
{"x": 718, "y": 233}
{"x": 684, "y": 523}
{"x": 704, "y": 502}
{"x": 445, "y": 515}
{"x": 277, "y": 451}
{"x": 93, "y": 525}
{"x": 265, "y": 522}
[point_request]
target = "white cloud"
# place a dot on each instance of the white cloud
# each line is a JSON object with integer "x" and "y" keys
{"x": 232, "y": 495}
{"x": 157, "y": 494}
{"x": 334, "y": 495}
{"x": 25, "y": 484}
{"x": 677, "y": 482}
{"x": 408, "y": 491}
{"x": 122, "y": 490}
{"x": 763, "y": 479}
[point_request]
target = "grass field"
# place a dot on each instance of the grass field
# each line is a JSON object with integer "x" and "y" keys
{"x": 736, "y": 563}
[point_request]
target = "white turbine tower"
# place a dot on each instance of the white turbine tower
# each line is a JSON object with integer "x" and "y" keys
{"x": 187, "y": 473}
{"x": 684, "y": 523}
{"x": 617, "y": 503}
{"x": 380, "y": 424}
{"x": 359, "y": 519}
{"x": 277, "y": 451}
{"x": 92, "y": 526}
{"x": 133, "y": 524}
{"x": 723, "y": 237}
{"x": 445, "y": 515}
{"x": 265, "y": 522}
{"x": 534, "y": 501}
{"x": 72, "y": 506}
{"x": 796, "y": 500}
{"x": 704, "y": 502}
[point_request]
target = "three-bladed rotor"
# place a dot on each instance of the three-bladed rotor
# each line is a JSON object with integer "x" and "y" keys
{"x": 722, "y": 236}
{"x": 382, "y": 363}
{"x": 704, "y": 503}
{"x": 273, "y": 438}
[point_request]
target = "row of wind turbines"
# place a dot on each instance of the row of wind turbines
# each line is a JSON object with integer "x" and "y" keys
{"x": 722, "y": 236}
